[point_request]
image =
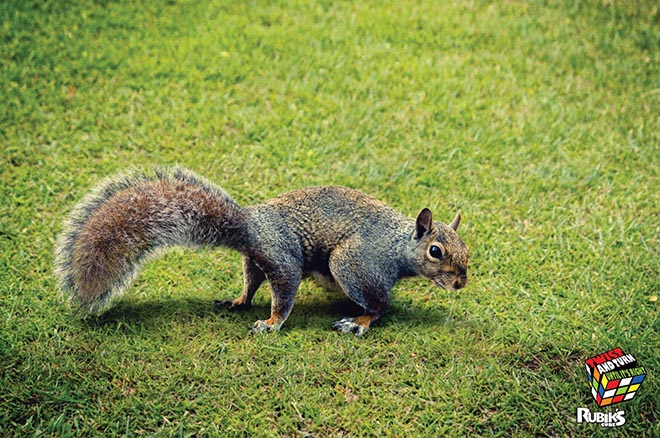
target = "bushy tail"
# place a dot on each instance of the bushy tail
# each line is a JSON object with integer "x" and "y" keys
{"x": 116, "y": 226}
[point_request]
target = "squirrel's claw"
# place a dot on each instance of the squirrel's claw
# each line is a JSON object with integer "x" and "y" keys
{"x": 222, "y": 304}
{"x": 230, "y": 305}
{"x": 348, "y": 325}
{"x": 262, "y": 326}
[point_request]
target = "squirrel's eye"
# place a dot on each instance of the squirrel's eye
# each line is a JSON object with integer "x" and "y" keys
{"x": 435, "y": 252}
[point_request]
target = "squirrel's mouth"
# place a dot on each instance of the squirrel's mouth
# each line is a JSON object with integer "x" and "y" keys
{"x": 439, "y": 283}
{"x": 451, "y": 285}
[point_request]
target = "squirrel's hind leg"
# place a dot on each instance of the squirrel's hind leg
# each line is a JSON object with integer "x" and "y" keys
{"x": 284, "y": 282}
{"x": 253, "y": 277}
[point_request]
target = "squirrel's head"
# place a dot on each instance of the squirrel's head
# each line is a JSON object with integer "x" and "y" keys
{"x": 440, "y": 254}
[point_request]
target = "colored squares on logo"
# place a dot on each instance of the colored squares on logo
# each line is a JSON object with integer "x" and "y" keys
{"x": 614, "y": 391}
{"x": 612, "y": 384}
{"x": 638, "y": 379}
{"x": 598, "y": 399}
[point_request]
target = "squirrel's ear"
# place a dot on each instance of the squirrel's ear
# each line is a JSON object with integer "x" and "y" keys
{"x": 456, "y": 222}
{"x": 424, "y": 222}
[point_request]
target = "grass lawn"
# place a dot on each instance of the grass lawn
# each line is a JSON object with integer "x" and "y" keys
{"x": 539, "y": 120}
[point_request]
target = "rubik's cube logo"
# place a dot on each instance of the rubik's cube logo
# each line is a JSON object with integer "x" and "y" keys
{"x": 614, "y": 377}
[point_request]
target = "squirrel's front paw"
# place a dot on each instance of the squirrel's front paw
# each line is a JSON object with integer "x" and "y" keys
{"x": 348, "y": 325}
{"x": 262, "y": 326}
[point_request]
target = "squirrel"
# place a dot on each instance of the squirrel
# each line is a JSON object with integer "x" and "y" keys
{"x": 350, "y": 240}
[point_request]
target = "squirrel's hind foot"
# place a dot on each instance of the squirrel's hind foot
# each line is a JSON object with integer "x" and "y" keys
{"x": 231, "y": 305}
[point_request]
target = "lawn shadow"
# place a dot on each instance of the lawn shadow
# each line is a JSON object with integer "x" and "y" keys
{"x": 154, "y": 314}
{"x": 162, "y": 313}
{"x": 312, "y": 313}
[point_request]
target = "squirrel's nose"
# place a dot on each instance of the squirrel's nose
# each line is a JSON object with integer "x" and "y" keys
{"x": 458, "y": 284}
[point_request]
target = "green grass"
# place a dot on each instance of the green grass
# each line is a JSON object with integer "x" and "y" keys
{"x": 538, "y": 119}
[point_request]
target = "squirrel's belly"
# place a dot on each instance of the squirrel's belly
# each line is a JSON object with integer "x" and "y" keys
{"x": 326, "y": 280}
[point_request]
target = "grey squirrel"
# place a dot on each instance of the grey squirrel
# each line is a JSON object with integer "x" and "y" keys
{"x": 351, "y": 240}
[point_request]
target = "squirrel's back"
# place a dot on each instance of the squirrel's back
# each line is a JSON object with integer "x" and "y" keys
{"x": 329, "y": 214}
{"x": 310, "y": 223}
